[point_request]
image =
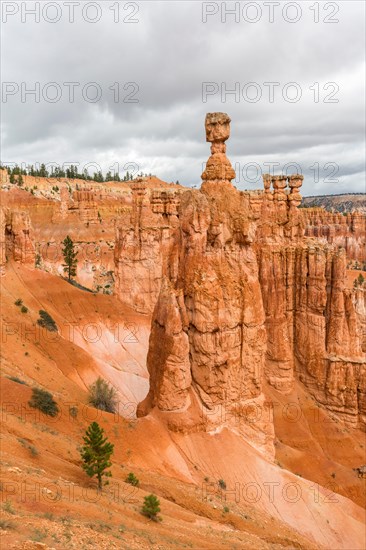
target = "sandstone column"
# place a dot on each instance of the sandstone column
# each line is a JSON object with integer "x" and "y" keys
{"x": 218, "y": 166}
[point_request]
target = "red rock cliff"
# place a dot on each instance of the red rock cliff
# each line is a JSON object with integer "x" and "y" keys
{"x": 16, "y": 238}
{"x": 246, "y": 297}
{"x": 143, "y": 234}
{"x": 347, "y": 231}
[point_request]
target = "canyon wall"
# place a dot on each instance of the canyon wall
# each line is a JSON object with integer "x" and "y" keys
{"x": 16, "y": 238}
{"x": 345, "y": 230}
{"x": 359, "y": 302}
{"x": 246, "y": 298}
{"x": 87, "y": 212}
{"x": 2, "y": 241}
{"x": 245, "y": 288}
{"x": 143, "y": 234}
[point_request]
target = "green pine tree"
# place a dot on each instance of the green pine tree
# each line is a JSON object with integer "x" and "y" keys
{"x": 151, "y": 507}
{"x": 69, "y": 257}
{"x": 43, "y": 172}
{"x": 98, "y": 176}
{"x": 96, "y": 453}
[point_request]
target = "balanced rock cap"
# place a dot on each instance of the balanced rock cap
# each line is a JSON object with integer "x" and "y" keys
{"x": 217, "y": 127}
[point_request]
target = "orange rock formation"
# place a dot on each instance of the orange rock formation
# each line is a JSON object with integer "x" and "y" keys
{"x": 17, "y": 241}
{"x": 242, "y": 295}
{"x": 143, "y": 233}
{"x": 348, "y": 231}
{"x": 250, "y": 315}
{"x": 246, "y": 298}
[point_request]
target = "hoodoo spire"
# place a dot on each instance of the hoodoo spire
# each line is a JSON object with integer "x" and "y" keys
{"x": 218, "y": 167}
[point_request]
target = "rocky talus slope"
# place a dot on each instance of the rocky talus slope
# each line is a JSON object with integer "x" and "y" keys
{"x": 297, "y": 500}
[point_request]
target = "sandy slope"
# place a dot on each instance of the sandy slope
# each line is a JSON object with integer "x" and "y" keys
{"x": 269, "y": 507}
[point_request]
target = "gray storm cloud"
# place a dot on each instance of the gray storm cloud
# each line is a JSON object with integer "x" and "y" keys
{"x": 159, "y": 75}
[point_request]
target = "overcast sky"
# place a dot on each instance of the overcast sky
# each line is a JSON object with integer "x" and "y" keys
{"x": 168, "y": 51}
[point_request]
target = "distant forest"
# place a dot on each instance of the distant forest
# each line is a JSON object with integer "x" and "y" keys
{"x": 16, "y": 174}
